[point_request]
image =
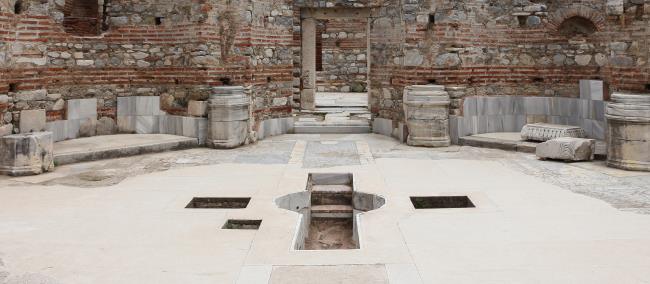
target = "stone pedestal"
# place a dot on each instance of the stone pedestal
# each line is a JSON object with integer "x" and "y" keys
{"x": 228, "y": 117}
{"x": 544, "y": 131}
{"x": 426, "y": 110}
{"x": 628, "y": 132}
{"x": 26, "y": 154}
{"x": 567, "y": 149}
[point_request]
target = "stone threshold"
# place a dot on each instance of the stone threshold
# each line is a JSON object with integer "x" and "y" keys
{"x": 511, "y": 141}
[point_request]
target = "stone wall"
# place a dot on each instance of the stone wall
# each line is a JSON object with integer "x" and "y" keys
{"x": 344, "y": 50}
{"x": 178, "y": 49}
{"x": 172, "y": 49}
{"x": 526, "y": 48}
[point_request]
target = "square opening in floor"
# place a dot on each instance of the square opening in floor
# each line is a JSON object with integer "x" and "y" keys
{"x": 219, "y": 202}
{"x": 233, "y": 224}
{"x": 441, "y": 202}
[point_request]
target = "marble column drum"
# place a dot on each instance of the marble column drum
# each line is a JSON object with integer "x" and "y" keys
{"x": 628, "y": 132}
{"x": 228, "y": 117}
{"x": 426, "y": 109}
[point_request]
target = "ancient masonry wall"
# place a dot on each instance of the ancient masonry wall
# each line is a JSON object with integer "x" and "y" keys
{"x": 343, "y": 55}
{"x": 523, "y": 48}
{"x": 178, "y": 49}
{"x": 172, "y": 49}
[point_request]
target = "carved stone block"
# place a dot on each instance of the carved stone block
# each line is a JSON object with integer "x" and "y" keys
{"x": 426, "y": 109}
{"x": 544, "y": 131}
{"x": 567, "y": 149}
{"x": 26, "y": 154}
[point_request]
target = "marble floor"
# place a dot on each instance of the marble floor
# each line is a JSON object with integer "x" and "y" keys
{"x": 124, "y": 220}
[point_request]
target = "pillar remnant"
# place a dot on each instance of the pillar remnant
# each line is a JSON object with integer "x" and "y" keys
{"x": 228, "y": 117}
{"x": 26, "y": 154}
{"x": 426, "y": 109}
{"x": 628, "y": 132}
{"x": 308, "y": 59}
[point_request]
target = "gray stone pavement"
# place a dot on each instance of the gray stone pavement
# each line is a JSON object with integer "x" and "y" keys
{"x": 124, "y": 220}
{"x": 629, "y": 191}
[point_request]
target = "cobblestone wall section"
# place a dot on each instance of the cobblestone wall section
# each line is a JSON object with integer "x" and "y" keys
{"x": 171, "y": 49}
{"x": 344, "y": 56}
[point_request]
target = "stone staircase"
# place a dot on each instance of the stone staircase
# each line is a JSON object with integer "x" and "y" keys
{"x": 332, "y": 123}
{"x": 336, "y": 113}
{"x": 331, "y": 201}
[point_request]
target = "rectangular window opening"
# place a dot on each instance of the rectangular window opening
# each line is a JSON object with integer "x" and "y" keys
{"x": 234, "y": 224}
{"x": 441, "y": 202}
{"x": 219, "y": 202}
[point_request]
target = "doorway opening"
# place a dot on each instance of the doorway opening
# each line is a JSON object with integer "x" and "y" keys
{"x": 334, "y": 70}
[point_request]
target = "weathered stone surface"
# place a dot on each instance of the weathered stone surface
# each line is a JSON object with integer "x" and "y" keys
{"x": 106, "y": 126}
{"x": 592, "y": 90}
{"x": 544, "y": 131}
{"x": 87, "y": 127}
{"x": 32, "y": 120}
{"x": 567, "y": 149}
{"x": 426, "y": 109}
{"x": 6, "y": 129}
{"x": 197, "y": 108}
{"x": 628, "y": 139}
{"x": 228, "y": 117}
{"x": 26, "y": 154}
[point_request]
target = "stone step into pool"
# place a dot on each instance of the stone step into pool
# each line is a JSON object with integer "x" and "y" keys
{"x": 330, "y": 212}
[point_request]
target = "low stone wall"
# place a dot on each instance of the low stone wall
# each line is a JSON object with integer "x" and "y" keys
{"x": 275, "y": 126}
{"x": 511, "y": 113}
{"x": 390, "y": 128}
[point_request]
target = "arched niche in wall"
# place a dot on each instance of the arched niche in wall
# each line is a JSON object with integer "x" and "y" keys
{"x": 577, "y": 20}
{"x": 577, "y": 26}
{"x": 18, "y": 7}
{"x": 83, "y": 17}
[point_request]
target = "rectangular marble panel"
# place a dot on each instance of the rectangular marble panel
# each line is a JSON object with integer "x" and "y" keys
{"x": 521, "y": 121}
{"x": 506, "y": 105}
{"x": 81, "y": 109}
{"x": 139, "y": 106}
{"x": 279, "y": 126}
{"x": 537, "y": 105}
{"x": 147, "y": 125}
{"x": 573, "y": 120}
{"x": 58, "y": 129}
{"x": 598, "y": 129}
{"x": 510, "y": 123}
{"x": 555, "y": 119}
{"x": 584, "y": 109}
{"x": 149, "y": 105}
{"x": 587, "y": 126}
{"x": 470, "y": 106}
{"x": 598, "y": 110}
{"x": 482, "y": 124}
{"x": 592, "y": 90}
{"x": 125, "y": 106}
{"x": 401, "y": 133}
{"x": 126, "y": 124}
{"x": 494, "y": 123}
{"x": 382, "y": 126}
{"x": 489, "y": 106}
{"x": 518, "y": 105}
{"x": 453, "y": 128}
